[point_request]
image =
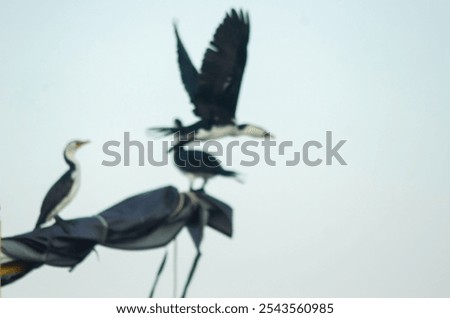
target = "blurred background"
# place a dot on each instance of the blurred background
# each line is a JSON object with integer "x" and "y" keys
{"x": 375, "y": 73}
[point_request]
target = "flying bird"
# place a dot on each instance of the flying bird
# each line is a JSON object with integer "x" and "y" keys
{"x": 199, "y": 164}
{"x": 64, "y": 190}
{"x": 215, "y": 90}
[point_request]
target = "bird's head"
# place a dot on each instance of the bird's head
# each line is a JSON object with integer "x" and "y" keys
{"x": 77, "y": 143}
{"x": 73, "y": 146}
{"x": 254, "y": 131}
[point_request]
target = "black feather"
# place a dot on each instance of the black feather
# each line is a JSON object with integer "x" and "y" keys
{"x": 189, "y": 74}
{"x": 55, "y": 195}
{"x": 215, "y": 91}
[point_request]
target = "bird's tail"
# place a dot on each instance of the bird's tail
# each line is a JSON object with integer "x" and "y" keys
{"x": 233, "y": 174}
{"x": 41, "y": 220}
{"x": 158, "y": 132}
{"x": 166, "y": 131}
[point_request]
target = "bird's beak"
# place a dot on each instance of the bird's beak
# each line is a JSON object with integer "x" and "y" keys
{"x": 81, "y": 143}
{"x": 268, "y": 135}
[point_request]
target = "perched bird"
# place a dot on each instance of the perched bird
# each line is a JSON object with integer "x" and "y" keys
{"x": 199, "y": 164}
{"x": 64, "y": 190}
{"x": 215, "y": 90}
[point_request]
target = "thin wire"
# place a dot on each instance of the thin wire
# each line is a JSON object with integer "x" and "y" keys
{"x": 175, "y": 271}
{"x": 191, "y": 274}
{"x": 158, "y": 274}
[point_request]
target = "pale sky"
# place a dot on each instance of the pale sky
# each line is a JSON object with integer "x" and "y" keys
{"x": 375, "y": 73}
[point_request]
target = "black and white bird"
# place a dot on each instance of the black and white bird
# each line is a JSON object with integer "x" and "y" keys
{"x": 215, "y": 90}
{"x": 64, "y": 190}
{"x": 199, "y": 164}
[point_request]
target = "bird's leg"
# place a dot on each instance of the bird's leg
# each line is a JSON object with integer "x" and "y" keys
{"x": 204, "y": 184}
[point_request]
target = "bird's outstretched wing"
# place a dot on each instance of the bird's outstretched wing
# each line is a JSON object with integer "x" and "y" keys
{"x": 222, "y": 69}
{"x": 55, "y": 196}
{"x": 189, "y": 74}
